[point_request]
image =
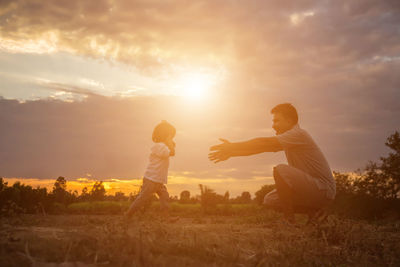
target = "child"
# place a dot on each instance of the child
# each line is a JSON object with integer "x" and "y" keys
{"x": 155, "y": 177}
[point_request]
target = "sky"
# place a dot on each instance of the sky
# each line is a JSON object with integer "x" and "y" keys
{"x": 83, "y": 83}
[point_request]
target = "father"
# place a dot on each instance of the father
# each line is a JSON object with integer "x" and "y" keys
{"x": 306, "y": 184}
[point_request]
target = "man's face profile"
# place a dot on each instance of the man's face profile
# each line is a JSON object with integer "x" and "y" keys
{"x": 281, "y": 124}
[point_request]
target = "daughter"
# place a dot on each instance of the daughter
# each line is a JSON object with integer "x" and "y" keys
{"x": 155, "y": 177}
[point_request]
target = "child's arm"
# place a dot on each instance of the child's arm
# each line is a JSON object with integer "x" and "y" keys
{"x": 171, "y": 146}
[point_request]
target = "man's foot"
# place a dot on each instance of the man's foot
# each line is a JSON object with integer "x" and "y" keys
{"x": 317, "y": 217}
{"x": 289, "y": 217}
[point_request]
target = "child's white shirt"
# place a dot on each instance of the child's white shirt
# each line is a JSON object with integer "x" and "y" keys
{"x": 157, "y": 169}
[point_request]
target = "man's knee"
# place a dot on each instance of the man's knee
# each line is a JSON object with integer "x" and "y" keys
{"x": 280, "y": 169}
{"x": 279, "y": 173}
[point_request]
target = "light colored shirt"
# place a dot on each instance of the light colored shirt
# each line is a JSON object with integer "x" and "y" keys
{"x": 304, "y": 154}
{"x": 157, "y": 169}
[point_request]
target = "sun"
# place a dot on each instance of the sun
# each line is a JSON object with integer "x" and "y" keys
{"x": 196, "y": 86}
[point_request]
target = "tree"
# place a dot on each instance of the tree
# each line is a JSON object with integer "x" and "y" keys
{"x": 60, "y": 184}
{"x": 391, "y": 166}
{"x": 260, "y": 194}
{"x": 98, "y": 191}
{"x": 84, "y": 194}
{"x": 208, "y": 198}
{"x": 3, "y": 184}
{"x": 120, "y": 196}
{"x": 245, "y": 197}
{"x": 60, "y": 190}
{"x": 184, "y": 196}
{"x": 382, "y": 180}
{"x": 344, "y": 184}
{"x": 226, "y": 197}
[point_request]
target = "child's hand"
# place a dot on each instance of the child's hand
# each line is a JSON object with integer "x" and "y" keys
{"x": 171, "y": 145}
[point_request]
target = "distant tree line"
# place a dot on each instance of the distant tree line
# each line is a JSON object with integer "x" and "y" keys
{"x": 369, "y": 193}
{"x": 21, "y": 198}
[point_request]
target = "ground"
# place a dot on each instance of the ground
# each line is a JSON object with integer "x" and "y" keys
{"x": 199, "y": 240}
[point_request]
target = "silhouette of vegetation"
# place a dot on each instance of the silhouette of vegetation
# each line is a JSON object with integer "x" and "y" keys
{"x": 244, "y": 198}
{"x": 208, "y": 198}
{"x": 373, "y": 192}
{"x": 98, "y": 191}
{"x": 265, "y": 189}
{"x": 370, "y": 193}
{"x": 184, "y": 197}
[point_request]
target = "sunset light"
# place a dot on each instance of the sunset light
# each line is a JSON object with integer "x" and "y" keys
{"x": 199, "y": 133}
{"x": 196, "y": 86}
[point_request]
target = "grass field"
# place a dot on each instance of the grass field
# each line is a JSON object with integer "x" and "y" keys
{"x": 118, "y": 207}
{"x": 257, "y": 239}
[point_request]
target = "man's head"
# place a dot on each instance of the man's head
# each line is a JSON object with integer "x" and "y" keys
{"x": 285, "y": 117}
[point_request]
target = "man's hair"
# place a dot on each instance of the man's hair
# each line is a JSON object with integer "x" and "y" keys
{"x": 162, "y": 131}
{"x": 287, "y": 110}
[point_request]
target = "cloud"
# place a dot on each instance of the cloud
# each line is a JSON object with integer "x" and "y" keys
{"x": 160, "y": 33}
{"x": 338, "y": 66}
{"x": 109, "y": 137}
{"x": 66, "y": 88}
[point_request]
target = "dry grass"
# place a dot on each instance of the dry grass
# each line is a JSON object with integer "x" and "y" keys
{"x": 148, "y": 240}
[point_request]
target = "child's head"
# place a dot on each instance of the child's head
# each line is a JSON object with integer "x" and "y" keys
{"x": 162, "y": 131}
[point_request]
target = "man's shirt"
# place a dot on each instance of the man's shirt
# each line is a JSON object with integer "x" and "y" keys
{"x": 304, "y": 154}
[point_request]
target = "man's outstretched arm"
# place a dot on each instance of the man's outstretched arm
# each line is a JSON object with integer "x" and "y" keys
{"x": 227, "y": 149}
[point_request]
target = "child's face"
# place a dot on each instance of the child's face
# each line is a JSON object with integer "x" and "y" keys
{"x": 170, "y": 137}
{"x": 169, "y": 140}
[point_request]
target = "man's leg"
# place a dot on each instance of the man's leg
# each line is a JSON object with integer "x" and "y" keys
{"x": 285, "y": 193}
{"x": 272, "y": 201}
{"x": 148, "y": 188}
{"x": 300, "y": 191}
{"x": 319, "y": 215}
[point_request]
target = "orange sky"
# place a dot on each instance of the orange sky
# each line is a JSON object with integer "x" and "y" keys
{"x": 176, "y": 184}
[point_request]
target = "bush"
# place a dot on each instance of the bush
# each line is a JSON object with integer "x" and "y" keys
{"x": 260, "y": 194}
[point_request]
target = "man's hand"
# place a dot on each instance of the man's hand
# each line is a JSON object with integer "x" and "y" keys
{"x": 221, "y": 152}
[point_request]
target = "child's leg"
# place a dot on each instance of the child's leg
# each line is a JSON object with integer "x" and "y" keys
{"x": 164, "y": 197}
{"x": 148, "y": 188}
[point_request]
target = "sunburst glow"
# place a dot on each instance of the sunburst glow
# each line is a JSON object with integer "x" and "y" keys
{"x": 196, "y": 86}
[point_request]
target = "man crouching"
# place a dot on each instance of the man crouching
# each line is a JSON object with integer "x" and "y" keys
{"x": 306, "y": 183}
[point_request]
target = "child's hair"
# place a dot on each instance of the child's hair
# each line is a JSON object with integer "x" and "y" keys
{"x": 162, "y": 131}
